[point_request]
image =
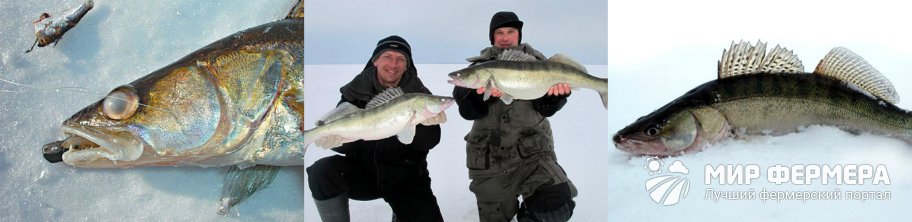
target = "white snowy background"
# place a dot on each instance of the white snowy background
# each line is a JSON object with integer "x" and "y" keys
{"x": 657, "y": 50}
{"x": 117, "y": 42}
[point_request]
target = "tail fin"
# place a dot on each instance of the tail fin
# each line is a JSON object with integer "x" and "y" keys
{"x": 297, "y": 11}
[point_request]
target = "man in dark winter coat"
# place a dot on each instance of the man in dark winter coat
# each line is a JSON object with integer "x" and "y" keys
{"x": 384, "y": 168}
{"x": 510, "y": 150}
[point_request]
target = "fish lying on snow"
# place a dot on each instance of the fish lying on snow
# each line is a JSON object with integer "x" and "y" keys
{"x": 390, "y": 113}
{"x": 769, "y": 94}
{"x": 519, "y": 76}
{"x": 237, "y": 101}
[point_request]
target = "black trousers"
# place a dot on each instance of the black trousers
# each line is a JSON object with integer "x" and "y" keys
{"x": 406, "y": 189}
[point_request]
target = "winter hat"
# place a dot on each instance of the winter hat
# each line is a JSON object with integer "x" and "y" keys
{"x": 392, "y": 42}
{"x": 505, "y": 19}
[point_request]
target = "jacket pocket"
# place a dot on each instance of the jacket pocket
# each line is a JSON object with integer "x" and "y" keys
{"x": 478, "y": 151}
{"x": 532, "y": 142}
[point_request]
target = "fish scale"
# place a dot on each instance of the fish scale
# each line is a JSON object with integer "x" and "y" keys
{"x": 764, "y": 90}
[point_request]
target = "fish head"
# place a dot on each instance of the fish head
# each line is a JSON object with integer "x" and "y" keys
{"x": 428, "y": 106}
{"x": 165, "y": 118}
{"x": 99, "y": 135}
{"x": 660, "y": 134}
{"x": 466, "y": 78}
{"x": 436, "y": 104}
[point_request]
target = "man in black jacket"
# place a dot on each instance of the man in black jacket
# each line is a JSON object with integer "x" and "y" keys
{"x": 510, "y": 150}
{"x": 384, "y": 168}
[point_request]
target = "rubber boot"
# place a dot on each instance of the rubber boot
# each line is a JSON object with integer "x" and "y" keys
{"x": 334, "y": 209}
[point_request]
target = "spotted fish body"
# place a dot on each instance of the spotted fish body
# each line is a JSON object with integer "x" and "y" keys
{"x": 770, "y": 103}
{"x": 391, "y": 113}
{"x": 520, "y": 76}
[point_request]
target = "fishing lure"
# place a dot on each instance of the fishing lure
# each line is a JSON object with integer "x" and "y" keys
{"x": 50, "y": 29}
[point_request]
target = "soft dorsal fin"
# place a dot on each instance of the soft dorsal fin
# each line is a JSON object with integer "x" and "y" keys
{"x": 563, "y": 59}
{"x": 341, "y": 110}
{"x": 743, "y": 58}
{"x": 847, "y": 66}
{"x": 384, "y": 97}
{"x": 781, "y": 60}
{"x": 515, "y": 55}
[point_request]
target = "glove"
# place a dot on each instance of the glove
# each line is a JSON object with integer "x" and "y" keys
{"x": 331, "y": 141}
{"x": 437, "y": 119}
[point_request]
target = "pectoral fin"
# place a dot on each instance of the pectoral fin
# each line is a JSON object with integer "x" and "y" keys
{"x": 241, "y": 183}
{"x": 507, "y": 99}
{"x": 487, "y": 92}
{"x": 407, "y": 135}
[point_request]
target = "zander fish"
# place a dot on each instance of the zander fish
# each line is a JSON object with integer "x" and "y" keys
{"x": 519, "y": 76}
{"x": 236, "y": 102}
{"x": 770, "y": 94}
{"x": 390, "y": 113}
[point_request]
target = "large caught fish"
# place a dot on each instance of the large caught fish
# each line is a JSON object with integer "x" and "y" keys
{"x": 519, "y": 76}
{"x": 769, "y": 94}
{"x": 390, "y": 113}
{"x": 237, "y": 101}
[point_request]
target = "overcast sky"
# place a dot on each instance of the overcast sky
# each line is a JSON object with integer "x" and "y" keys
{"x": 447, "y": 32}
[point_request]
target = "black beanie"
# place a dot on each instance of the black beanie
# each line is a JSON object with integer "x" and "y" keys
{"x": 392, "y": 42}
{"x": 505, "y": 19}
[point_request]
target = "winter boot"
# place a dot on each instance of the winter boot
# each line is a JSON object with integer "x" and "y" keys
{"x": 334, "y": 209}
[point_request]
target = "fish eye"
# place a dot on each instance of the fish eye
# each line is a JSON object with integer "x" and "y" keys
{"x": 652, "y": 131}
{"x": 120, "y": 104}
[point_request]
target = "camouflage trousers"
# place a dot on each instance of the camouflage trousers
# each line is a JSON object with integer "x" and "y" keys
{"x": 497, "y": 195}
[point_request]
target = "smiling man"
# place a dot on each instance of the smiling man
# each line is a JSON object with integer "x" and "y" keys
{"x": 384, "y": 168}
{"x": 510, "y": 149}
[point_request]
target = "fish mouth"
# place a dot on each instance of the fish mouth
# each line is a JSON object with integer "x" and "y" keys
{"x": 640, "y": 147}
{"x": 455, "y": 80}
{"x": 448, "y": 103}
{"x": 435, "y": 109}
{"x": 95, "y": 147}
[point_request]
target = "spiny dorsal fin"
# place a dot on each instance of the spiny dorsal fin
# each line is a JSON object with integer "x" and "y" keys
{"x": 563, "y": 59}
{"x": 743, "y": 58}
{"x": 341, "y": 110}
{"x": 384, "y": 97}
{"x": 515, "y": 55}
{"x": 847, "y": 66}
